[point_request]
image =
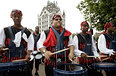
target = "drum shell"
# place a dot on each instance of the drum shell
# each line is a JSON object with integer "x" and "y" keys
{"x": 14, "y": 69}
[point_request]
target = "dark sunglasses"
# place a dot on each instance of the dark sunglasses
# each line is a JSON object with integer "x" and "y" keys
{"x": 58, "y": 19}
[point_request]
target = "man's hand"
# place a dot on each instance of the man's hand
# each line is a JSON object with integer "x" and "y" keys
{"x": 113, "y": 55}
{"x": 3, "y": 49}
{"x": 98, "y": 59}
{"x": 47, "y": 55}
{"x": 83, "y": 55}
{"x": 71, "y": 56}
{"x": 28, "y": 56}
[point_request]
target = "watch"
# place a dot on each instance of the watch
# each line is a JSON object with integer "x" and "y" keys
{"x": 44, "y": 50}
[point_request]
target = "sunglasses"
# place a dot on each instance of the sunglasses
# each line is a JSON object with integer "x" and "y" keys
{"x": 58, "y": 19}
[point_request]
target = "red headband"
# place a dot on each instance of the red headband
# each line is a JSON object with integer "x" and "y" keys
{"x": 107, "y": 25}
{"x": 55, "y": 16}
{"x": 15, "y": 12}
{"x": 84, "y": 23}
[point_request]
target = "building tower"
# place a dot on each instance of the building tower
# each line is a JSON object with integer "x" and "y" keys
{"x": 45, "y": 17}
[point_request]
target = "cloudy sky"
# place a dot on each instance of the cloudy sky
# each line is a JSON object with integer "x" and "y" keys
{"x": 32, "y": 8}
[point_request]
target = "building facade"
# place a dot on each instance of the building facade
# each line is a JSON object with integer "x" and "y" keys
{"x": 45, "y": 17}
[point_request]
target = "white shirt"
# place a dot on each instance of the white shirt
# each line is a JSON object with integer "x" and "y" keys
{"x": 102, "y": 45}
{"x": 29, "y": 40}
{"x": 43, "y": 38}
{"x": 78, "y": 52}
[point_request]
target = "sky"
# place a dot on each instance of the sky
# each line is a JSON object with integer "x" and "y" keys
{"x": 32, "y": 8}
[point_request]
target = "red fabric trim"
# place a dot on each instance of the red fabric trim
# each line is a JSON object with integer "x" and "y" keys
{"x": 51, "y": 39}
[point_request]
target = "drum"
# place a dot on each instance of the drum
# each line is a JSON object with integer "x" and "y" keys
{"x": 14, "y": 69}
{"x": 35, "y": 55}
{"x": 69, "y": 70}
{"x": 104, "y": 66}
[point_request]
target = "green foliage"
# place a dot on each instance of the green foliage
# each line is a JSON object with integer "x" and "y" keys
{"x": 98, "y": 12}
{"x": 74, "y": 34}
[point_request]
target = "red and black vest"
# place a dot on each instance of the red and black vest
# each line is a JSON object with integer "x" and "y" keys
{"x": 36, "y": 38}
{"x": 85, "y": 45}
{"x": 13, "y": 53}
{"x": 61, "y": 58}
{"x": 109, "y": 39}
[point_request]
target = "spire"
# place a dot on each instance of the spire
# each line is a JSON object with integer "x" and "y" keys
{"x": 48, "y": 2}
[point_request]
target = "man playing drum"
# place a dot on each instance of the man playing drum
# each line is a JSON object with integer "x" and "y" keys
{"x": 105, "y": 46}
{"x": 17, "y": 39}
{"x": 35, "y": 55}
{"x": 105, "y": 40}
{"x": 85, "y": 46}
{"x": 55, "y": 39}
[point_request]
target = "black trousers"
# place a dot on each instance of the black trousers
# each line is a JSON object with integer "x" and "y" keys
{"x": 49, "y": 70}
{"x": 37, "y": 62}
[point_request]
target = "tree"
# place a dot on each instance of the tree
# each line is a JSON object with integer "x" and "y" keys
{"x": 98, "y": 12}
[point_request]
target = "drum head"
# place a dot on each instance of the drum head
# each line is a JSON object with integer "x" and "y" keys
{"x": 104, "y": 66}
{"x": 38, "y": 56}
{"x": 69, "y": 69}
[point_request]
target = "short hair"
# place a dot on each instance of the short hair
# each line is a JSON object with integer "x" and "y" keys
{"x": 37, "y": 27}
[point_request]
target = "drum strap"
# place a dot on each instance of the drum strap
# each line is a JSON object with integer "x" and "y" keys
{"x": 110, "y": 37}
{"x": 59, "y": 37}
{"x": 15, "y": 51}
{"x": 36, "y": 39}
{"x": 11, "y": 33}
{"x": 88, "y": 45}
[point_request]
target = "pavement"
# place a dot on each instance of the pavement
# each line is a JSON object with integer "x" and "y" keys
{"x": 41, "y": 71}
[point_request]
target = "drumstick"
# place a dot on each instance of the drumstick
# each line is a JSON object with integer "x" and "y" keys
{"x": 105, "y": 59}
{"x": 19, "y": 60}
{"x": 97, "y": 56}
{"x": 5, "y": 49}
{"x": 60, "y": 51}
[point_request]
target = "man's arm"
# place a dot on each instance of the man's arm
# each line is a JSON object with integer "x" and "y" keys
{"x": 2, "y": 38}
{"x": 77, "y": 52}
{"x": 71, "y": 47}
{"x": 30, "y": 46}
{"x": 102, "y": 45}
{"x": 41, "y": 47}
{"x": 2, "y": 41}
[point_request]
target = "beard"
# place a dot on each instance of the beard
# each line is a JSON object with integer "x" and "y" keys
{"x": 84, "y": 31}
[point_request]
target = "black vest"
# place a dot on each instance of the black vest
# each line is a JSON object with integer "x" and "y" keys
{"x": 85, "y": 43}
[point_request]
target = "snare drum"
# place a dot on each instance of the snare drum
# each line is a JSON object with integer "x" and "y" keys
{"x": 14, "y": 69}
{"x": 108, "y": 67}
{"x": 69, "y": 70}
{"x": 104, "y": 66}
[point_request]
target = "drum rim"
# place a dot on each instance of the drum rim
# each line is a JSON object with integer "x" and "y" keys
{"x": 110, "y": 67}
{"x": 70, "y": 72}
{"x": 8, "y": 65}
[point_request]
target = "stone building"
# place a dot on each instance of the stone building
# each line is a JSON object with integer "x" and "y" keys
{"x": 45, "y": 17}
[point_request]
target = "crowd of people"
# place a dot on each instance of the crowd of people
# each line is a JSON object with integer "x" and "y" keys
{"x": 29, "y": 47}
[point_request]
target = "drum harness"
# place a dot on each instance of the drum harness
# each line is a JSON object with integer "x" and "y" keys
{"x": 111, "y": 41}
{"x": 21, "y": 51}
{"x": 59, "y": 45}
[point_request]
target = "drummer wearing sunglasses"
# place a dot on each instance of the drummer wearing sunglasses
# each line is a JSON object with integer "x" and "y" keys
{"x": 55, "y": 39}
